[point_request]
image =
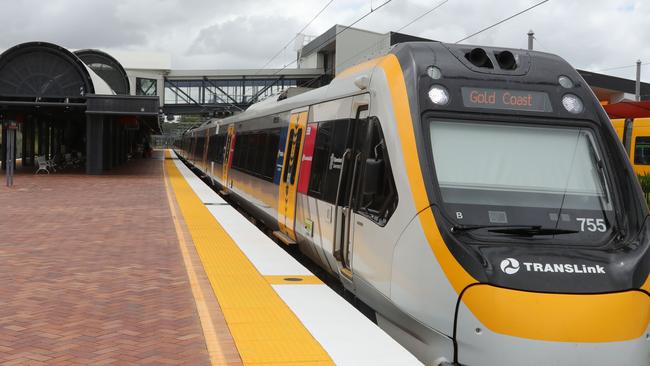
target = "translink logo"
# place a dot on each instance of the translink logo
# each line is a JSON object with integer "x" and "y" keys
{"x": 511, "y": 266}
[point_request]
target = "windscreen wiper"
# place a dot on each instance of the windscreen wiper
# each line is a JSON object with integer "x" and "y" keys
{"x": 522, "y": 230}
{"x": 457, "y": 228}
{"x": 533, "y": 230}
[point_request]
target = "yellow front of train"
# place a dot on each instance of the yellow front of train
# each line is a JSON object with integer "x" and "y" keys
{"x": 536, "y": 236}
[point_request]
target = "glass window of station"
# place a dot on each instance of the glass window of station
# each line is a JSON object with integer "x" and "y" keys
{"x": 144, "y": 86}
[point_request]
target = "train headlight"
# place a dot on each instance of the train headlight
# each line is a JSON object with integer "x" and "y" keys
{"x": 565, "y": 82}
{"x": 434, "y": 72}
{"x": 439, "y": 95}
{"x": 572, "y": 103}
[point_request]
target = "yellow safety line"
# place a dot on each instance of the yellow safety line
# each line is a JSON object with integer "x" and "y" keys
{"x": 212, "y": 341}
{"x": 263, "y": 327}
{"x": 293, "y": 280}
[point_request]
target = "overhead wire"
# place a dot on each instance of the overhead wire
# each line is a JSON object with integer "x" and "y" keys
{"x": 621, "y": 67}
{"x": 410, "y": 23}
{"x": 339, "y": 32}
{"x": 309, "y": 83}
{"x": 463, "y": 39}
{"x": 281, "y": 50}
{"x": 501, "y": 21}
{"x": 423, "y": 15}
{"x": 399, "y": 30}
{"x": 372, "y": 10}
{"x": 333, "y": 37}
{"x": 599, "y": 70}
{"x": 296, "y": 36}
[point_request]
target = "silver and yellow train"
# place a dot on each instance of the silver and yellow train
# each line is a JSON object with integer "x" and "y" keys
{"x": 477, "y": 199}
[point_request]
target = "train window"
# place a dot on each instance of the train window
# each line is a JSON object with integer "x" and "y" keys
{"x": 213, "y": 147}
{"x": 198, "y": 154}
{"x": 296, "y": 157}
{"x": 642, "y": 150}
{"x": 255, "y": 153}
{"x": 219, "y": 142}
{"x": 320, "y": 159}
{"x": 239, "y": 151}
{"x": 331, "y": 140}
{"x": 505, "y": 174}
{"x": 376, "y": 196}
{"x": 242, "y": 147}
{"x": 270, "y": 153}
{"x": 254, "y": 150}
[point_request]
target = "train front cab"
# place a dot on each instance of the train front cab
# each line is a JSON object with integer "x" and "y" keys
{"x": 635, "y": 136}
{"x": 537, "y": 230}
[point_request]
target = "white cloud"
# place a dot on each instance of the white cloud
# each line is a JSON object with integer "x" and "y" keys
{"x": 590, "y": 34}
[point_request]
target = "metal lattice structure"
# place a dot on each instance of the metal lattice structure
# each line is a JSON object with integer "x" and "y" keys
{"x": 108, "y": 68}
{"x": 43, "y": 70}
{"x": 213, "y": 94}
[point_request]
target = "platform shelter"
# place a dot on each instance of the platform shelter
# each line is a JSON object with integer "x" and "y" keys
{"x": 72, "y": 103}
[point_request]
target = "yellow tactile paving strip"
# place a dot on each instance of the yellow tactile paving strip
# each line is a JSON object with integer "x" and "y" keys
{"x": 263, "y": 327}
{"x": 220, "y": 345}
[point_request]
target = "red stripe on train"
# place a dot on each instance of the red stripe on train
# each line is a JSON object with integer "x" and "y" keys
{"x": 307, "y": 156}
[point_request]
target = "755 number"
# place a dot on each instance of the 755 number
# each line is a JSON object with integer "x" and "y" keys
{"x": 592, "y": 225}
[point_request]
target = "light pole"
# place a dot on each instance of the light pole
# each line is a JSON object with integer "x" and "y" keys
{"x": 638, "y": 81}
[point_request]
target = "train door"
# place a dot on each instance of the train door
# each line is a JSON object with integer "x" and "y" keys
{"x": 191, "y": 149}
{"x": 344, "y": 201}
{"x": 204, "y": 158}
{"x": 227, "y": 157}
{"x": 289, "y": 177}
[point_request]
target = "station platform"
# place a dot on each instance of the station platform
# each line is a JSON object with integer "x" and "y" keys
{"x": 148, "y": 265}
{"x": 91, "y": 272}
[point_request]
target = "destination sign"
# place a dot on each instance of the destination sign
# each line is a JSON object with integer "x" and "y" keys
{"x": 506, "y": 99}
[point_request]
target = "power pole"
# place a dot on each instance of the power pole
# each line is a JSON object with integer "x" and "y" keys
{"x": 638, "y": 81}
{"x": 10, "y": 158}
{"x": 531, "y": 36}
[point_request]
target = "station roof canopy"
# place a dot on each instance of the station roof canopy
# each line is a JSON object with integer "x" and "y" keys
{"x": 45, "y": 70}
{"x": 108, "y": 68}
{"x": 628, "y": 109}
{"x": 41, "y": 74}
{"x": 613, "y": 89}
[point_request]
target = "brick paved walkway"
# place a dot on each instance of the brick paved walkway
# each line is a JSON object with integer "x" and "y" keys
{"x": 91, "y": 272}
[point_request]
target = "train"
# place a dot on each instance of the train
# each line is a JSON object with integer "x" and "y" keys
{"x": 635, "y": 136}
{"x": 477, "y": 199}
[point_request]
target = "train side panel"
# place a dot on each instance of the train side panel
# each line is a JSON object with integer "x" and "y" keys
{"x": 640, "y": 146}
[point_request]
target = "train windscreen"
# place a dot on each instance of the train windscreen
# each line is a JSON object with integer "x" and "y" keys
{"x": 515, "y": 177}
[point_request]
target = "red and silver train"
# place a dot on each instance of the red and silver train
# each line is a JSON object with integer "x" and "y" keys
{"x": 476, "y": 198}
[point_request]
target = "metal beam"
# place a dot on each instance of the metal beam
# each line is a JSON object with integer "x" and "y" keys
{"x": 184, "y": 93}
{"x": 192, "y": 109}
{"x": 265, "y": 89}
{"x": 226, "y": 94}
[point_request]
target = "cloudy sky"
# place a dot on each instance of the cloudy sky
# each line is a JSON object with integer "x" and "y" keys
{"x": 594, "y": 35}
